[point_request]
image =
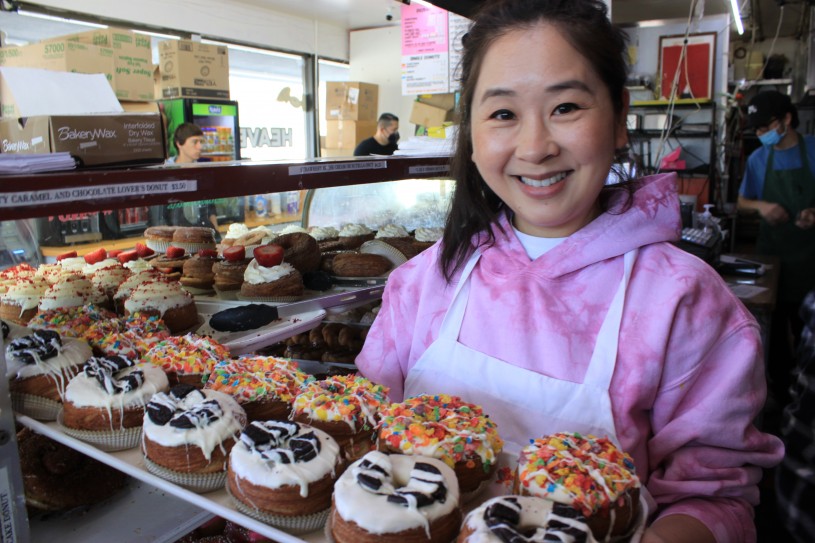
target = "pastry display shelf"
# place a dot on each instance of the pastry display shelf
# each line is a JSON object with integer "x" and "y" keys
{"x": 41, "y": 195}
{"x": 131, "y": 462}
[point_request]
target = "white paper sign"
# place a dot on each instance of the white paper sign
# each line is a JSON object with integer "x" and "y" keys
{"x": 99, "y": 192}
{"x": 339, "y": 167}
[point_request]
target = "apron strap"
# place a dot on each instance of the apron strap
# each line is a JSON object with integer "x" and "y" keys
{"x": 455, "y": 313}
{"x": 604, "y": 357}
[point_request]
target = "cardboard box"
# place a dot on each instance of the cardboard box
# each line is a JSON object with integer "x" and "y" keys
{"x": 427, "y": 115}
{"x": 94, "y": 140}
{"x": 443, "y": 101}
{"x": 62, "y": 56}
{"x": 347, "y": 134}
{"x": 115, "y": 38}
{"x": 190, "y": 69}
{"x": 351, "y": 101}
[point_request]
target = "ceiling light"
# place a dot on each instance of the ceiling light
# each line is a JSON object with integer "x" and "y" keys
{"x": 734, "y": 5}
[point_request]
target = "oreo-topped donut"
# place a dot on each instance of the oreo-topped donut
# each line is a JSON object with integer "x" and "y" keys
{"x": 190, "y": 430}
{"x": 111, "y": 393}
{"x": 284, "y": 468}
{"x": 395, "y": 498}
{"x": 588, "y": 473}
{"x": 524, "y": 519}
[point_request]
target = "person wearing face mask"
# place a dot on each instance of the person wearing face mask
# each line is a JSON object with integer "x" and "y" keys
{"x": 384, "y": 141}
{"x": 779, "y": 182}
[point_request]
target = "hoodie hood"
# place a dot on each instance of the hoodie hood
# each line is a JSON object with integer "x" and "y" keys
{"x": 652, "y": 218}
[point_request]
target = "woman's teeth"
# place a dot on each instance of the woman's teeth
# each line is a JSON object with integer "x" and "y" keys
{"x": 543, "y": 182}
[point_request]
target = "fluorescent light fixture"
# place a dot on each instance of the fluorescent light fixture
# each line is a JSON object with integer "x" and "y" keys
{"x": 734, "y": 5}
{"x": 59, "y": 19}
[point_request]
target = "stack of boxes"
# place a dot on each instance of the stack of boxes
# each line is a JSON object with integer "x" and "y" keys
{"x": 351, "y": 114}
{"x": 433, "y": 113}
{"x": 190, "y": 69}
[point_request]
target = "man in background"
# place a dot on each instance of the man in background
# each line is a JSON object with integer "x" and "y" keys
{"x": 188, "y": 139}
{"x": 383, "y": 142}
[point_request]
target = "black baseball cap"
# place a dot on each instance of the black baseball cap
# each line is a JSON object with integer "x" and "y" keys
{"x": 766, "y": 106}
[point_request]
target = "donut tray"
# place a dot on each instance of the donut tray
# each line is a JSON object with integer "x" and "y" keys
{"x": 218, "y": 502}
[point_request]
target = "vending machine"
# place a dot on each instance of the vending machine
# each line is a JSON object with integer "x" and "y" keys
{"x": 218, "y": 120}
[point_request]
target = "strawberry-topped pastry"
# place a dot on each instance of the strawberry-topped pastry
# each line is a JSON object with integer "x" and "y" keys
{"x": 268, "y": 277}
{"x": 197, "y": 271}
{"x": 166, "y": 300}
{"x": 171, "y": 263}
{"x": 228, "y": 273}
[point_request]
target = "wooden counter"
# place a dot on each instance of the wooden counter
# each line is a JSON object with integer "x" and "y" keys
{"x": 761, "y": 300}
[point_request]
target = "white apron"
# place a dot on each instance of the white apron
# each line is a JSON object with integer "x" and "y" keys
{"x": 524, "y": 404}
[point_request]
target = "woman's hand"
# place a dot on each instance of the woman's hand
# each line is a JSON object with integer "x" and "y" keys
{"x": 806, "y": 219}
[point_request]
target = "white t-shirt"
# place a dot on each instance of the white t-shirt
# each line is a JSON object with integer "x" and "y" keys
{"x": 535, "y": 246}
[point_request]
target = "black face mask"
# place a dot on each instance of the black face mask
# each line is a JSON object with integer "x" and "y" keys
{"x": 393, "y": 138}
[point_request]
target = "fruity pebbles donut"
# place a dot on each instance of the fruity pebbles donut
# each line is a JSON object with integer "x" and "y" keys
{"x": 588, "y": 473}
{"x": 69, "y": 321}
{"x": 344, "y": 406}
{"x": 265, "y": 386}
{"x": 187, "y": 359}
{"x": 447, "y": 428}
{"x": 131, "y": 337}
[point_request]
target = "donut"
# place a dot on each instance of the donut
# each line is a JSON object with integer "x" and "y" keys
{"x": 197, "y": 271}
{"x": 170, "y": 267}
{"x": 167, "y": 300}
{"x": 71, "y": 291}
{"x": 524, "y": 519}
{"x": 300, "y": 250}
{"x": 447, "y": 428}
{"x": 19, "y": 302}
{"x": 130, "y": 336}
{"x": 191, "y": 431}
{"x": 187, "y": 359}
{"x": 110, "y": 394}
{"x": 193, "y": 238}
{"x": 41, "y": 364}
{"x": 158, "y": 238}
{"x": 69, "y": 321}
{"x": 56, "y": 477}
{"x": 394, "y": 498}
{"x": 264, "y": 386}
{"x": 345, "y": 407}
{"x": 284, "y": 469}
{"x": 228, "y": 275}
{"x": 360, "y": 265}
{"x": 585, "y": 472}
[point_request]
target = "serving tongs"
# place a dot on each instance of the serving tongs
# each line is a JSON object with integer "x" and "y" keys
{"x": 251, "y": 315}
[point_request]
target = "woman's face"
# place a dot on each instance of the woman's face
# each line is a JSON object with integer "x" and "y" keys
{"x": 543, "y": 131}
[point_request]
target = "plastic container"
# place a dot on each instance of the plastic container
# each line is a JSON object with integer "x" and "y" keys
{"x": 707, "y": 222}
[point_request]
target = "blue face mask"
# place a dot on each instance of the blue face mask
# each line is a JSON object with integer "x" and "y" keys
{"x": 771, "y": 138}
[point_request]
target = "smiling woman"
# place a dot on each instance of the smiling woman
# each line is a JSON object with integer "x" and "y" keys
{"x": 557, "y": 302}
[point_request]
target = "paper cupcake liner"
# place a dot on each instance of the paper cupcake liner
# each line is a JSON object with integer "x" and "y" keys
{"x": 227, "y": 294}
{"x": 300, "y": 524}
{"x": 196, "y": 482}
{"x": 157, "y": 245}
{"x": 280, "y": 299}
{"x": 381, "y": 248}
{"x": 329, "y": 538}
{"x": 36, "y": 407}
{"x": 105, "y": 440}
{"x": 192, "y": 248}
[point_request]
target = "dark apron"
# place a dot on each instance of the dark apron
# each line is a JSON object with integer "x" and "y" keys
{"x": 795, "y": 191}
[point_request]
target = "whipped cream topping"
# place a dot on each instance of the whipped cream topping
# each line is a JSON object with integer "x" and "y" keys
{"x": 293, "y": 229}
{"x": 256, "y": 274}
{"x": 73, "y": 264}
{"x": 136, "y": 279}
{"x": 370, "y": 507}
{"x": 354, "y": 230}
{"x": 90, "y": 269}
{"x": 25, "y": 293}
{"x": 109, "y": 279}
{"x": 53, "y": 272}
{"x": 277, "y": 464}
{"x": 157, "y": 295}
{"x": 322, "y": 233}
{"x": 236, "y": 230}
{"x": 138, "y": 265}
{"x": 71, "y": 291}
{"x": 428, "y": 234}
{"x": 392, "y": 231}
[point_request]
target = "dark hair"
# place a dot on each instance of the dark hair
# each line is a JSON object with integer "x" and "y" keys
{"x": 585, "y": 25}
{"x": 184, "y": 131}
{"x": 387, "y": 118}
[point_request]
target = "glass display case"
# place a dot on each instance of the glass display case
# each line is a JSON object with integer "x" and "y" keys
{"x": 409, "y": 190}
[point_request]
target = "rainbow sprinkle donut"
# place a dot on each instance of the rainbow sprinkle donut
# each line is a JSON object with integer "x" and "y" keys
{"x": 188, "y": 358}
{"x": 447, "y": 428}
{"x": 589, "y": 473}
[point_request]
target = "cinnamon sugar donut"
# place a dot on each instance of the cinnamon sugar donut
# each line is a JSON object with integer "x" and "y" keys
{"x": 585, "y": 472}
{"x": 447, "y": 428}
{"x": 360, "y": 265}
{"x": 395, "y": 498}
{"x": 346, "y": 407}
{"x": 300, "y": 250}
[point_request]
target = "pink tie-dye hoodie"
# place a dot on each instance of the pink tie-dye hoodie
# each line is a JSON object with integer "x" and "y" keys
{"x": 689, "y": 378}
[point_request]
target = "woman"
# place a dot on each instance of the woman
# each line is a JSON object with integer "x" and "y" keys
{"x": 556, "y": 302}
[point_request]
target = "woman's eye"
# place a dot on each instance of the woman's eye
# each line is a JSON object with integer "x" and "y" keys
{"x": 562, "y": 109}
{"x": 503, "y": 115}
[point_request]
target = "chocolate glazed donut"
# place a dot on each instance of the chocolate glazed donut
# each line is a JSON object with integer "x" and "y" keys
{"x": 300, "y": 250}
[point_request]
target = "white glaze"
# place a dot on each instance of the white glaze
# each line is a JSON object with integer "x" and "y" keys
{"x": 25, "y": 293}
{"x": 250, "y": 466}
{"x": 374, "y": 513}
{"x": 71, "y": 291}
{"x": 84, "y": 391}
